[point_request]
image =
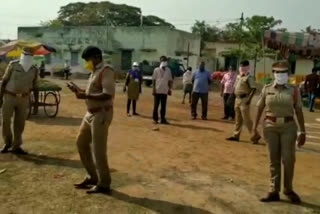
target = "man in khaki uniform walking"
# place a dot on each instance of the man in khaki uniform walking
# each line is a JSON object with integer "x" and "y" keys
{"x": 245, "y": 88}
{"x": 94, "y": 128}
{"x": 18, "y": 81}
{"x": 281, "y": 103}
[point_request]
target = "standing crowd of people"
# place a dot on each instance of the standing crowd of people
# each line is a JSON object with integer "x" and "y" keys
{"x": 279, "y": 102}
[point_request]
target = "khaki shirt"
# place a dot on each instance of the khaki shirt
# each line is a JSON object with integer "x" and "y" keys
{"x": 280, "y": 102}
{"x": 244, "y": 85}
{"x": 18, "y": 80}
{"x": 102, "y": 80}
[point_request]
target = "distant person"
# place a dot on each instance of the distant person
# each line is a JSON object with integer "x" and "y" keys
{"x": 227, "y": 92}
{"x": 66, "y": 69}
{"x": 311, "y": 86}
{"x": 292, "y": 59}
{"x": 281, "y": 103}
{"x": 93, "y": 134}
{"x": 245, "y": 88}
{"x": 187, "y": 84}
{"x": 201, "y": 86}
{"x": 133, "y": 87}
{"x": 42, "y": 69}
{"x": 162, "y": 87}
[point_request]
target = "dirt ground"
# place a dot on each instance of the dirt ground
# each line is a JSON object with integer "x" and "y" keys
{"x": 187, "y": 167}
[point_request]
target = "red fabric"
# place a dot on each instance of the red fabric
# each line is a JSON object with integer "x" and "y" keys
{"x": 218, "y": 75}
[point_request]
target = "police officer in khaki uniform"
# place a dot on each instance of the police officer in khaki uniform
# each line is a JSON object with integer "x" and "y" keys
{"x": 94, "y": 128}
{"x": 245, "y": 88}
{"x": 281, "y": 103}
{"x": 17, "y": 83}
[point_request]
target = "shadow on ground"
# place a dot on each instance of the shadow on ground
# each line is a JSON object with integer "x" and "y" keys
{"x": 53, "y": 161}
{"x": 58, "y": 121}
{"x": 162, "y": 207}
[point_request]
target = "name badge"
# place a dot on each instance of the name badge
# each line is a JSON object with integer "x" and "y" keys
{"x": 136, "y": 80}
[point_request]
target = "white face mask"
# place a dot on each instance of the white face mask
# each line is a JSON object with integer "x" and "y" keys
{"x": 26, "y": 61}
{"x": 163, "y": 64}
{"x": 281, "y": 78}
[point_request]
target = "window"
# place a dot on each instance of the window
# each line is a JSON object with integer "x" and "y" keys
{"x": 74, "y": 58}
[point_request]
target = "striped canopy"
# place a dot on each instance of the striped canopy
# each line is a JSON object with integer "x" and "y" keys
{"x": 303, "y": 44}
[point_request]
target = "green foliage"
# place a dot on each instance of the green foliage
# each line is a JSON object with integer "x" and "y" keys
{"x": 208, "y": 33}
{"x": 103, "y": 13}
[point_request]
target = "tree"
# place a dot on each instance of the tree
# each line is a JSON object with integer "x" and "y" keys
{"x": 208, "y": 33}
{"x": 104, "y": 13}
{"x": 311, "y": 30}
{"x": 250, "y": 35}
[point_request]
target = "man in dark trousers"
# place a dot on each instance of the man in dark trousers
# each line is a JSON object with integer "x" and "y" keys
{"x": 311, "y": 85}
{"x": 162, "y": 86}
{"x": 201, "y": 85}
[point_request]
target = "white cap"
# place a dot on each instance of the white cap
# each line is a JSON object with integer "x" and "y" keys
{"x": 135, "y": 64}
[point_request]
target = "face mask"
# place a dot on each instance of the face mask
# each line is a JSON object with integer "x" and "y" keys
{"x": 89, "y": 66}
{"x": 163, "y": 64}
{"x": 244, "y": 71}
{"x": 26, "y": 61}
{"x": 281, "y": 78}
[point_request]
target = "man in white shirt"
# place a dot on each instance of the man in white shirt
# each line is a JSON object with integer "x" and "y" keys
{"x": 187, "y": 84}
{"x": 162, "y": 85}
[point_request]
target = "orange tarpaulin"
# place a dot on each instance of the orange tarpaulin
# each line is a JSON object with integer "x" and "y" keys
{"x": 14, "y": 48}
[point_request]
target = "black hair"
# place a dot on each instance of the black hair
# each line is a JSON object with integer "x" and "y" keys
{"x": 244, "y": 63}
{"x": 189, "y": 68}
{"x": 315, "y": 70}
{"x": 163, "y": 59}
{"x": 91, "y": 52}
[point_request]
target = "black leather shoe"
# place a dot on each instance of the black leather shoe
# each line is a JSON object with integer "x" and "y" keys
{"x": 19, "y": 151}
{"x": 5, "y": 149}
{"x": 271, "y": 197}
{"x": 85, "y": 184}
{"x": 98, "y": 189}
{"x": 165, "y": 122}
{"x": 293, "y": 197}
{"x": 233, "y": 139}
{"x": 204, "y": 118}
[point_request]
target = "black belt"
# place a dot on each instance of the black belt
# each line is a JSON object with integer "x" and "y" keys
{"x": 241, "y": 96}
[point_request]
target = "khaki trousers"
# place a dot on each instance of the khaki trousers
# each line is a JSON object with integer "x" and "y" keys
{"x": 17, "y": 107}
{"x": 94, "y": 130}
{"x": 281, "y": 140}
{"x": 242, "y": 111}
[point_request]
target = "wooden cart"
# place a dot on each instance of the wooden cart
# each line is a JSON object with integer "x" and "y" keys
{"x": 48, "y": 96}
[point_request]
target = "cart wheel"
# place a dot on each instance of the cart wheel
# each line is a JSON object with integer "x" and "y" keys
{"x": 29, "y": 108}
{"x": 51, "y": 104}
{"x": 58, "y": 96}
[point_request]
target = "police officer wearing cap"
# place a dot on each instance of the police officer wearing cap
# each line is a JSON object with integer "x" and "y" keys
{"x": 281, "y": 102}
{"x": 94, "y": 128}
{"x": 18, "y": 81}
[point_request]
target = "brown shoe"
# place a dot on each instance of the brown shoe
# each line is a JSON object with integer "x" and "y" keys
{"x": 99, "y": 189}
{"x": 255, "y": 139}
{"x": 85, "y": 184}
{"x": 271, "y": 197}
{"x": 293, "y": 197}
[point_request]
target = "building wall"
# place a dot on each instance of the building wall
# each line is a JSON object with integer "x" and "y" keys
{"x": 214, "y": 50}
{"x": 146, "y": 43}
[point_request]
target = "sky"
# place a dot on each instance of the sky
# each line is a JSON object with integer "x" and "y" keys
{"x": 295, "y": 14}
